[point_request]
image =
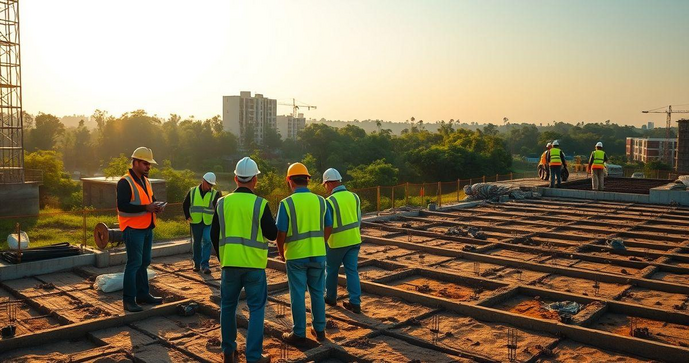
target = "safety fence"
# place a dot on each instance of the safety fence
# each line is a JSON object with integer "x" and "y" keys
{"x": 77, "y": 227}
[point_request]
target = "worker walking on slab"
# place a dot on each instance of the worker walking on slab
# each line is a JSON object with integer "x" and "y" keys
{"x": 304, "y": 224}
{"x": 242, "y": 226}
{"x": 556, "y": 162}
{"x": 543, "y": 171}
{"x": 136, "y": 214}
{"x": 199, "y": 207}
{"x": 596, "y": 167}
{"x": 344, "y": 242}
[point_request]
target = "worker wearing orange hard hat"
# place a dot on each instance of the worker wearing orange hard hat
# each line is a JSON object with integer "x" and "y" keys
{"x": 304, "y": 223}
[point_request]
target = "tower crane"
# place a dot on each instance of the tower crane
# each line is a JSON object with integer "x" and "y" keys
{"x": 668, "y": 111}
{"x": 295, "y": 107}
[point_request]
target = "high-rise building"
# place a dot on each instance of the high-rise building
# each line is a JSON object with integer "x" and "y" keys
{"x": 289, "y": 126}
{"x": 682, "y": 158}
{"x": 650, "y": 149}
{"x": 246, "y": 113}
{"x": 651, "y": 125}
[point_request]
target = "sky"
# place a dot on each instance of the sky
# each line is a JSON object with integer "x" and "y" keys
{"x": 473, "y": 61}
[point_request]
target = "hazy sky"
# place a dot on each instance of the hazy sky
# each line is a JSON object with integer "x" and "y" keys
{"x": 531, "y": 61}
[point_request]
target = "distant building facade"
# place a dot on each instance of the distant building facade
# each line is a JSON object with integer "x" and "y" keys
{"x": 289, "y": 126}
{"x": 101, "y": 192}
{"x": 246, "y": 113}
{"x": 650, "y": 149}
{"x": 682, "y": 164}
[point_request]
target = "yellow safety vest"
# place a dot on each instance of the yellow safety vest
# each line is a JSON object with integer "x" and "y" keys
{"x": 201, "y": 208}
{"x": 305, "y": 234}
{"x": 241, "y": 238}
{"x": 555, "y": 157}
{"x": 346, "y": 219}
{"x": 598, "y": 159}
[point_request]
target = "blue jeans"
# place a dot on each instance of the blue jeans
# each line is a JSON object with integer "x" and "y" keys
{"x": 555, "y": 172}
{"x": 202, "y": 244}
{"x": 254, "y": 283}
{"x": 349, "y": 256}
{"x": 138, "y": 243}
{"x": 300, "y": 276}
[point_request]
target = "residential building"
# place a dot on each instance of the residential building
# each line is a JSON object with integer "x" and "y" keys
{"x": 246, "y": 113}
{"x": 650, "y": 149}
{"x": 289, "y": 126}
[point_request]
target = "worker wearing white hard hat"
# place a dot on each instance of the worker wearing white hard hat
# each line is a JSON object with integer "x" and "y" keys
{"x": 344, "y": 242}
{"x": 136, "y": 214}
{"x": 556, "y": 163}
{"x": 199, "y": 207}
{"x": 596, "y": 167}
{"x": 242, "y": 226}
{"x": 543, "y": 171}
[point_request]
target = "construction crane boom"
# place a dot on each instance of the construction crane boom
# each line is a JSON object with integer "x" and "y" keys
{"x": 668, "y": 111}
{"x": 295, "y": 107}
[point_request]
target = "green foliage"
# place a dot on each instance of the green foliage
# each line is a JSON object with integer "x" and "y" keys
{"x": 377, "y": 173}
{"x": 117, "y": 166}
{"x": 655, "y": 165}
{"x": 177, "y": 182}
{"x": 56, "y": 182}
{"x": 45, "y": 135}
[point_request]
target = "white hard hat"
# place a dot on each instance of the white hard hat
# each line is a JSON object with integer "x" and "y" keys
{"x": 548, "y": 145}
{"x": 599, "y": 144}
{"x": 246, "y": 168}
{"x": 209, "y": 177}
{"x": 331, "y": 175}
{"x": 556, "y": 143}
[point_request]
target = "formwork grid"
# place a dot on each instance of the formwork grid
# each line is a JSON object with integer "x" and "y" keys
{"x": 11, "y": 123}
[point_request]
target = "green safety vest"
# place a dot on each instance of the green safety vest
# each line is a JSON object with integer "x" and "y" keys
{"x": 241, "y": 238}
{"x": 200, "y": 208}
{"x": 346, "y": 219}
{"x": 598, "y": 159}
{"x": 305, "y": 236}
{"x": 555, "y": 156}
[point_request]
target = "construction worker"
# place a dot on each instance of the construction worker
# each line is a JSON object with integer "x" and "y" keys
{"x": 136, "y": 213}
{"x": 304, "y": 224}
{"x": 596, "y": 167}
{"x": 344, "y": 242}
{"x": 199, "y": 207}
{"x": 544, "y": 173}
{"x": 556, "y": 162}
{"x": 242, "y": 226}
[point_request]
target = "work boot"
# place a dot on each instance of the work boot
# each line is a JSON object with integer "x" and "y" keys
{"x": 352, "y": 307}
{"x": 320, "y": 335}
{"x": 132, "y": 307}
{"x": 331, "y": 302}
{"x": 207, "y": 271}
{"x": 230, "y": 358}
{"x": 265, "y": 358}
{"x": 196, "y": 268}
{"x": 149, "y": 299}
{"x": 293, "y": 339}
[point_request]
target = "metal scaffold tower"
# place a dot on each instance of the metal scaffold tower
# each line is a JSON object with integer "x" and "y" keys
{"x": 11, "y": 123}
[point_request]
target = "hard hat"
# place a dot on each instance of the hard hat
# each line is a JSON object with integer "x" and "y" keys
{"x": 556, "y": 143}
{"x": 297, "y": 169}
{"x": 548, "y": 145}
{"x": 331, "y": 175}
{"x": 246, "y": 167}
{"x": 145, "y": 154}
{"x": 209, "y": 177}
{"x": 599, "y": 144}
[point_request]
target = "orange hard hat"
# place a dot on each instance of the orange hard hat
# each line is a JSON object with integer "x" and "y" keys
{"x": 297, "y": 169}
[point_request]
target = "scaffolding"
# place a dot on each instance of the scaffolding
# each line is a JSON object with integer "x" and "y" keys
{"x": 11, "y": 123}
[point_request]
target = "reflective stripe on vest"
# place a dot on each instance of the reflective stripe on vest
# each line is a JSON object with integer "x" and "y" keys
{"x": 598, "y": 159}
{"x": 140, "y": 220}
{"x": 201, "y": 208}
{"x": 345, "y": 229}
{"x": 305, "y": 237}
{"x": 241, "y": 239}
{"x": 555, "y": 156}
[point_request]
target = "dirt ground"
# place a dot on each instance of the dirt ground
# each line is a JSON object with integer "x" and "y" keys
{"x": 674, "y": 334}
{"x": 447, "y": 290}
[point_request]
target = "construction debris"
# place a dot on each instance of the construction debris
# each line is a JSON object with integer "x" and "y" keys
{"x": 492, "y": 192}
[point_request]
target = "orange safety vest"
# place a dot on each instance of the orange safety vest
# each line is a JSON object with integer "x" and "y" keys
{"x": 543, "y": 158}
{"x": 141, "y": 220}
